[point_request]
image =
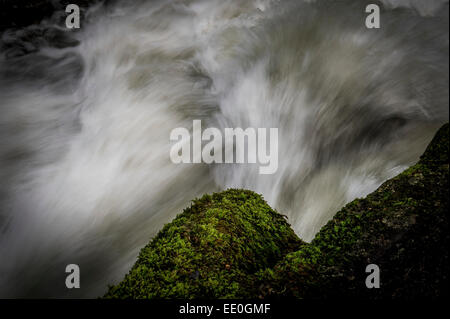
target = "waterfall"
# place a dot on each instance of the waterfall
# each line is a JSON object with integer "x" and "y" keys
{"x": 86, "y": 117}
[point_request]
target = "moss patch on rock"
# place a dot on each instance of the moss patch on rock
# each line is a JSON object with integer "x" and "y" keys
{"x": 212, "y": 250}
{"x": 402, "y": 227}
{"x": 233, "y": 245}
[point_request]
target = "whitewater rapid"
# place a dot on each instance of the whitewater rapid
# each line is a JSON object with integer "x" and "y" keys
{"x": 85, "y": 171}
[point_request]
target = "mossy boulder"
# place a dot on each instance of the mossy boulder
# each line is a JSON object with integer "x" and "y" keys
{"x": 211, "y": 250}
{"x": 233, "y": 245}
{"x": 402, "y": 227}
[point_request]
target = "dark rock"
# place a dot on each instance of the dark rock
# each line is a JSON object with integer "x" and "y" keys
{"x": 402, "y": 227}
{"x": 212, "y": 250}
{"x": 233, "y": 245}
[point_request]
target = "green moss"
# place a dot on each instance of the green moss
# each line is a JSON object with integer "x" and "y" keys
{"x": 213, "y": 249}
{"x": 233, "y": 245}
{"x": 402, "y": 227}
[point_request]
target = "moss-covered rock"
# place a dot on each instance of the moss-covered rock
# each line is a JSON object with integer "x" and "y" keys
{"x": 212, "y": 250}
{"x": 233, "y": 245}
{"x": 402, "y": 227}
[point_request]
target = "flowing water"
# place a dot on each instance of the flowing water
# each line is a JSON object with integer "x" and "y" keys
{"x": 86, "y": 116}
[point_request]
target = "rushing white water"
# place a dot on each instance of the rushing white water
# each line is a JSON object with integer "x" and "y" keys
{"x": 84, "y": 144}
